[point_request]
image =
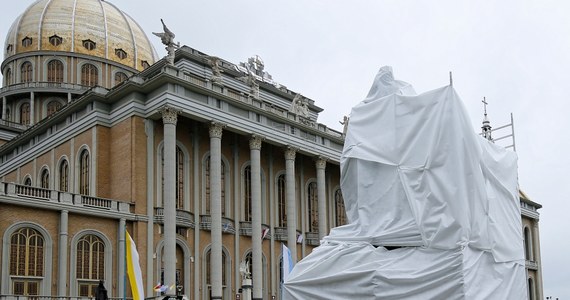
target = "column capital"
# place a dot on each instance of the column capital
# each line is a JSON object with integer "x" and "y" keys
{"x": 255, "y": 142}
{"x": 290, "y": 153}
{"x": 216, "y": 129}
{"x": 169, "y": 114}
{"x": 321, "y": 162}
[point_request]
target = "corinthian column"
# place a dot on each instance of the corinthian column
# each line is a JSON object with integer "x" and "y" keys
{"x": 321, "y": 165}
{"x": 255, "y": 149}
{"x": 169, "y": 118}
{"x": 216, "y": 208}
{"x": 290, "y": 199}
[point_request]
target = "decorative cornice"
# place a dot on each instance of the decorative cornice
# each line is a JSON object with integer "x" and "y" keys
{"x": 255, "y": 142}
{"x": 290, "y": 153}
{"x": 321, "y": 162}
{"x": 169, "y": 115}
{"x": 216, "y": 130}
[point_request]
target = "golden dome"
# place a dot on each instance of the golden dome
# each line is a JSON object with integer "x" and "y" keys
{"x": 90, "y": 27}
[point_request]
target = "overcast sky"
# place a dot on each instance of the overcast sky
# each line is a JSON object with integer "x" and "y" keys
{"x": 516, "y": 53}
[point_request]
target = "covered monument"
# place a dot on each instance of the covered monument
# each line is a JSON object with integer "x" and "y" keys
{"x": 432, "y": 207}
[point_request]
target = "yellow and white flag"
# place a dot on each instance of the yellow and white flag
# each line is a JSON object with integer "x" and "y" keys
{"x": 134, "y": 269}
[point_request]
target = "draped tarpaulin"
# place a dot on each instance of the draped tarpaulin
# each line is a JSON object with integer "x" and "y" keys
{"x": 418, "y": 180}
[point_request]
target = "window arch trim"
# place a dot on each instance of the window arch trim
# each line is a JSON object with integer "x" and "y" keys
{"x": 186, "y": 171}
{"x": 187, "y": 260}
{"x": 73, "y": 286}
{"x": 45, "y": 286}
{"x": 46, "y": 70}
{"x": 91, "y": 172}
{"x": 227, "y": 267}
{"x": 227, "y": 180}
{"x": 44, "y": 170}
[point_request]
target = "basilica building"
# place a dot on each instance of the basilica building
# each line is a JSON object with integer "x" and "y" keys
{"x": 207, "y": 164}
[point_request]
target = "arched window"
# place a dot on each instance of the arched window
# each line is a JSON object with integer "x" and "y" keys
{"x": 179, "y": 178}
{"x": 89, "y": 75}
{"x": 55, "y": 40}
{"x": 26, "y": 42}
{"x": 281, "y": 202}
{"x": 90, "y": 264}
{"x": 222, "y": 186}
{"x": 45, "y": 179}
{"x": 84, "y": 172}
{"x": 145, "y": 64}
{"x": 89, "y": 45}
{"x": 120, "y": 77}
{"x": 26, "y": 261}
{"x": 55, "y": 71}
{"x": 209, "y": 272}
{"x": 340, "y": 211}
{"x": 121, "y": 54}
{"x": 25, "y": 113}
{"x": 52, "y": 107}
{"x": 8, "y": 77}
{"x": 27, "y": 72}
{"x": 312, "y": 200}
{"x": 528, "y": 244}
{"x": 247, "y": 194}
{"x": 64, "y": 176}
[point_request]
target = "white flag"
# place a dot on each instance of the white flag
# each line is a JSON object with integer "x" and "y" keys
{"x": 287, "y": 261}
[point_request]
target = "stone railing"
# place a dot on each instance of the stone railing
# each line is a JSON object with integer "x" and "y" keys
{"x": 30, "y": 193}
{"x": 21, "y": 297}
{"x": 13, "y": 125}
{"x": 184, "y": 218}
{"x": 227, "y": 224}
{"x": 44, "y": 85}
{"x": 312, "y": 238}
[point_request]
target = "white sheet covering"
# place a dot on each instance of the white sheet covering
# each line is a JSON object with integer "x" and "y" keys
{"x": 415, "y": 175}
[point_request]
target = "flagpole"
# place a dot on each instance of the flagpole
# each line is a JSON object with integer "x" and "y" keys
{"x": 125, "y": 268}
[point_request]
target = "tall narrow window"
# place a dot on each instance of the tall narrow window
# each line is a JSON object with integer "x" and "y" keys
{"x": 84, "y": 172}
{"x": 45, "y": 179}
{"x": 247, "y": 194}
{"x": 120, "y": 77}
{"x": 55, "y": 71}
{"x": 52, "y": 107}
{"x": 26, "y": 261}
{"x": 26, "y": 72}
{"x": 222, "y": 186}
{"x": 25, "y": 113}
{"x": 179, "y": 178}
{"x": 209, "y": 270}
{"x": 90, "y": 264}
{"x": 340, "y": 211}
{"x": 89, "y": 75}
{"x": 8, "y": 77}
{"x": 281, "y": 202}
{"x": 528, "y": 244}
{"x": 313, "y": 205}
{"x": 64, "y": 176}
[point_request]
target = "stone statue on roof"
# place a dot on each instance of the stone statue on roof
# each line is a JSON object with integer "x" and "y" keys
{"x": 167, "y": 38}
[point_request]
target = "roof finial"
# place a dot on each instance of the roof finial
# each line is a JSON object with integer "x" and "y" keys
{"x": 486, "y": 123}
{"x": 450, "y": 78}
